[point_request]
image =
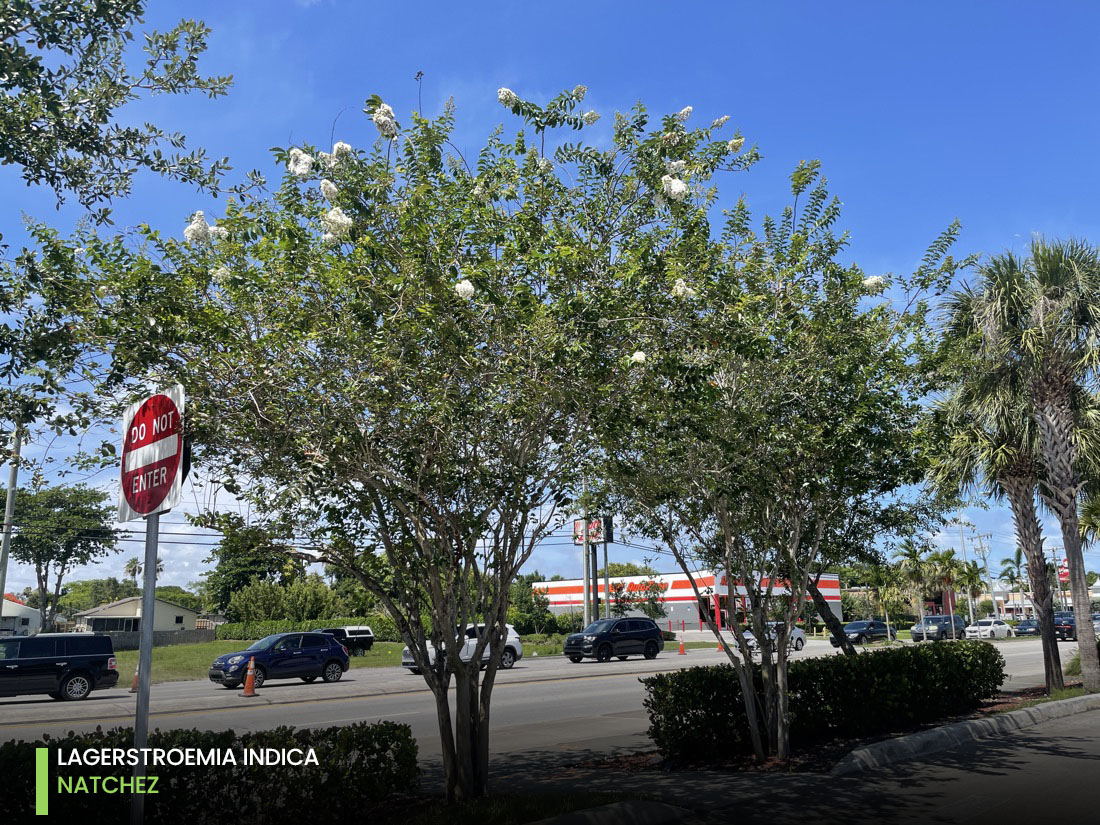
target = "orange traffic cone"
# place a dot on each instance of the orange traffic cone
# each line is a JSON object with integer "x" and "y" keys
{"x": 682, "y": 651}
{"x": 719, "y": 644}
{"x": 133, "y": 687}
{"x": 250, "y": 679}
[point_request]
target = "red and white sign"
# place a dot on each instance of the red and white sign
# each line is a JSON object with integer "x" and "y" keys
{"x": 152, "y": 455}
{"x": 1063, "y": 572}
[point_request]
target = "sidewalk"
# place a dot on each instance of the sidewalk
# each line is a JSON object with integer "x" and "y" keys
{"x": 1044, "y": 774}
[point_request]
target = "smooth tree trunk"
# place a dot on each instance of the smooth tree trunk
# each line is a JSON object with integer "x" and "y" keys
{"x": 836, "y": 628}
{"x": 1020, "y": 490}
{"x": 1056, "y": 429}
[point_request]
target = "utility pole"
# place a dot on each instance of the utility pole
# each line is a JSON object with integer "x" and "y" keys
{"x": 584, "y": 538}
{"x": 962, "y": 541}
{"x": 9, "y": 511}
{"x": 984, "y": 553}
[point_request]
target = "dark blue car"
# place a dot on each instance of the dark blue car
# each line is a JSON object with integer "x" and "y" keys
{"x": 284, "y": 656}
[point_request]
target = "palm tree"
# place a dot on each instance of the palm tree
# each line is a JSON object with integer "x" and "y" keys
{"x": 133, "y": 569}
{"x": 911, "y": 564}
{"x": 944, "y": 571}
{"x": 1037, "y": 321}
{"x": 891, "y": 585}
{"x": 1013, "y": 574}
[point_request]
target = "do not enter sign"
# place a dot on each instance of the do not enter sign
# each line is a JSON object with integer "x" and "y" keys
{"x": 152, "y": 455}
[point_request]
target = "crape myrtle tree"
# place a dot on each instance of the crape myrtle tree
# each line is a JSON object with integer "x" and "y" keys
{"x": 389, "y": 357}
{"x": 770, "y": 415}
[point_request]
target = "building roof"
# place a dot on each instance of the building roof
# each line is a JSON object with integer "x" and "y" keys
{"x": 14, "y": 608}
{"x": 109, "y": 605}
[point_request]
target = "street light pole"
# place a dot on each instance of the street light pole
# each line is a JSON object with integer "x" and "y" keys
{"x": 984, "y": 553}
{"x": 969, "y": 595}
{"x": 9, "y": 510}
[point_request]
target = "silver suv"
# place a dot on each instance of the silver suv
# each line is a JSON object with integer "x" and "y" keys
{"x": 512, "y": 653}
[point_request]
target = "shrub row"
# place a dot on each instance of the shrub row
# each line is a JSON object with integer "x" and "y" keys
{"x": 358, "y": 766}
{"x": 696, "y": 715}
{"x": 382, "y": 624}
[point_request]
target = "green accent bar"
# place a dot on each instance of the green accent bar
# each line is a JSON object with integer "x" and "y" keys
{"x": 41, "y": 781}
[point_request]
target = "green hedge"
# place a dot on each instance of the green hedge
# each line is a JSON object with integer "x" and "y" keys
{"x": 696, "y": 715}
{"x": 382, "y": 624}
{"x": 358, "y": 766}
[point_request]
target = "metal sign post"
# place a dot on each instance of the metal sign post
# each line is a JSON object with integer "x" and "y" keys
{"x": 153, "y": 466}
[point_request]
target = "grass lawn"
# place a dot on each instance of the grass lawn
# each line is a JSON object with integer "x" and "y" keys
{"x": 176, "y": 663}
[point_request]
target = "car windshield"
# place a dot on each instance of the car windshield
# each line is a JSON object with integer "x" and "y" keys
{"x": 856, "y": 626}
{"x": 264, "y": 643}
{"x": 985, "y": 623}
{"x": 601, "y": 626}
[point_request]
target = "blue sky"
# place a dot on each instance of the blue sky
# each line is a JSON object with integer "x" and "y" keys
{"x": 920, "y": 113}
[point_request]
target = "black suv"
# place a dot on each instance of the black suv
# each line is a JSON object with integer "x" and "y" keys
{"x": 605, "y": 638}
{"x": 938, "y": 628}
{"x": 1065, "y": 625}
{"x": 65, "y": 666}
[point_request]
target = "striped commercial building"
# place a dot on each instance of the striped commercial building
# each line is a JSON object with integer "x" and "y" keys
{"x": 679, "y": 600}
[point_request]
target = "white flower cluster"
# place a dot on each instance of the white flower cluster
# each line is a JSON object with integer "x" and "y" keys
{"x": 736, "y": 144}
{"x": 684, "y": 114}
{"x": 507, "y": 97}
{"x": 465, "y": 289}
{"x": 675, "y": 167}
{"x": 545, "y": 166}
{"x": 219, "y": 233}
{"x": 337, "y": 223}
{"x": 638, "y": 357}
{"x": 590, "y": 117}
{"x": 299, "y": 163}
{"x": 198, "y": 231}
{"x": 221, "y": 275}
{"x": 329, "y": 190}
{"x": 719, "y": 121}
{"x": 671, "y": 138}
{"x": 680, "y": 289}
{"x": 674, "y": 188}
{"x": 383, "y": 118}
{"x": 579, "y": 92}
{"x": 339, "y": 150}
{"x": 874, "y": 284}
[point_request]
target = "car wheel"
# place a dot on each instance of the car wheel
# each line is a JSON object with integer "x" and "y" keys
{"x": 76, "y": 687}
{"x": 576, "y": 659}
{"x": 650, "y": 650}
{"x": 333, "y": 672}
{"x": 507, "y": 658}
{"x": 258, "y": 677}
{"x": 603, "y": 654}
{"x": 861, "y": 640}
{"x": 358, "y": 651}
{"x": 799, "y": 644}
{"x": 308, "y": 679}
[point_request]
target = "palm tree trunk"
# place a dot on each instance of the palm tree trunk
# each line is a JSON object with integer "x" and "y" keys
{"x": 1054, "y": 417}
{"x": 1021, "y": 497}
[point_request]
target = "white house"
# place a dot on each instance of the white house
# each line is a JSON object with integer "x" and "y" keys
{"x": 18, "y": 620}
{"x": 125, "y": 614}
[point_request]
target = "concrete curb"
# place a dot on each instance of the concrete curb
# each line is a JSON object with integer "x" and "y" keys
{"x": 903, "y": 748}
{"x": 634, "y": 812}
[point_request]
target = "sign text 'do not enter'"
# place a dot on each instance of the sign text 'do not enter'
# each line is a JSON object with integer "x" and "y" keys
{"x": 152, "y": 449}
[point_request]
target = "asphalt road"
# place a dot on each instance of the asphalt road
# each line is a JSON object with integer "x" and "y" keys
{"x": 544, "y": 704}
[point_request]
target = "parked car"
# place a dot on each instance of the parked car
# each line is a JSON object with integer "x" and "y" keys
{"x": 938, "y": 628}
{"x": 989, "y": 629}
{"x": 284, "y": 656}
{"x": 604, "y": 638}
{"x": 512, "y": 653}
{"x": 65, "y": 666}
{"x": 1065, "y": 625}
{"x": 358, "y": 639}
{"x": 1028, "y": 627}
{"x": 796, "y": 639}
{"x": 861, "y": 633}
